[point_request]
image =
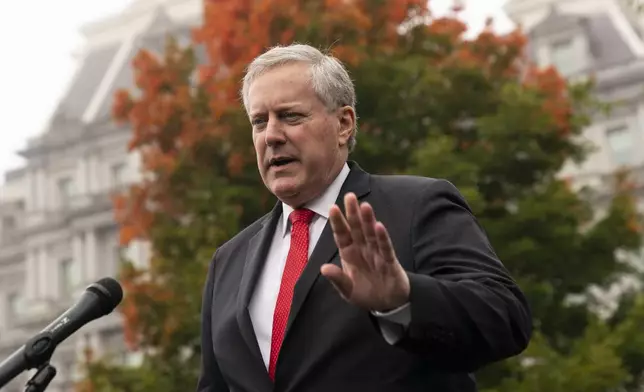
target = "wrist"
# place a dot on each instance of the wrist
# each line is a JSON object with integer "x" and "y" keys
{"x": 400, "y": 295}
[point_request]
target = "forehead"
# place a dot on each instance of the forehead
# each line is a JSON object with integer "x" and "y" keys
{"x": 289, "y": 84}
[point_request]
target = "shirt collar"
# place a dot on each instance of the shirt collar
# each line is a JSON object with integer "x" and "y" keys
{"x": 320, "y": 205}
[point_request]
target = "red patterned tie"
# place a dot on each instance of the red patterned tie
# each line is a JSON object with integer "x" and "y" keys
{"x": 298, "y": 254}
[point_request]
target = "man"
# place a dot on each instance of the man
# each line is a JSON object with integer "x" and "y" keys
{"x": 318, "y": 295}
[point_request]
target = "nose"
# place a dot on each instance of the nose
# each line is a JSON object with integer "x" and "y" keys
{"x": 274, "y": 132}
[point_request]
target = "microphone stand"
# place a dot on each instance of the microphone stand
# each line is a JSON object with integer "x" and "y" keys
{"x": 36, "y": 353}
{"x": 42, "y": 378}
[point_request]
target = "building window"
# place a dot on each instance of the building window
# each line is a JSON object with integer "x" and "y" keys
{"x": 67, "y": 277}
{"x": 65, "y": 189}
{"x": 118, "y": 174}
{"x": 566, "y": 56}
{"x": 14, "y": 305}
{"x": 8, "y": 224}
{"x": 621, "y": 143}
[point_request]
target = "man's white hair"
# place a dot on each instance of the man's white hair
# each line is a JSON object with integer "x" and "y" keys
{"x": 330, "y": 79}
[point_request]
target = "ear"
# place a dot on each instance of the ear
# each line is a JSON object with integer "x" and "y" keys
{"x": 347, "y": 120}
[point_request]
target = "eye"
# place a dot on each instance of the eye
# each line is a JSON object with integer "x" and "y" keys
{"x": 291, "y": 116}
{"x": 258, "y": 121}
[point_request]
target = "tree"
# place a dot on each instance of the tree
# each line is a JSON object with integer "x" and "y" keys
{"x": 430, "y": 103}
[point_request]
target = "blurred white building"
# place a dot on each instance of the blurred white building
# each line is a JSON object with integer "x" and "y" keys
{"x": 57, "y": 231}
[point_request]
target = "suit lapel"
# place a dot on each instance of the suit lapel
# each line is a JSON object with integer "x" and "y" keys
{"x": 254, "y": 263}
{"x": 325, "y": 249}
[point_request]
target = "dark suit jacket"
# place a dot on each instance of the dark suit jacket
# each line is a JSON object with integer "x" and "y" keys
{"x": 466, "y": 310}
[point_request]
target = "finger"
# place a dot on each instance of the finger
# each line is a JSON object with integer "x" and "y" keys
{"x": 353, "y": 217}
{"x": 339, "y": 279}
{"x": 369, "y": 226}
{"x": 340, "y": 227}
{"x": 385, "y": 246}
{"x": 349, "y": 253}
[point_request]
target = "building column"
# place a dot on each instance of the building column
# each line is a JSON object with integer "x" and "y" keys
{"x": 42, "y": 191}
{"x": 77, "y": 257}
{"x": 47, "y": 275}
{"x": 82, "y": 177}
{"x": 93, "y": 185}
{"x": 91, "y": 178}
{"x": 91, "y": 258}
{"x": 4, "y": 301}
{"x": 32, "y": 276}
{"x": 30, "y": 202}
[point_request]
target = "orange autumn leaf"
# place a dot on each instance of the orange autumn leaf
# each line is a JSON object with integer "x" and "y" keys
{"x": 122, "y": 105}
{"x": 448, "y": 27}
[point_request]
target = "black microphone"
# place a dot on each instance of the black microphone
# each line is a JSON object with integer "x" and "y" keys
{"x": 99, "y": 299}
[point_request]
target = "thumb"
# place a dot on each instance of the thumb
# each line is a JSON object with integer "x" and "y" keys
{"x": 339, "y": 279}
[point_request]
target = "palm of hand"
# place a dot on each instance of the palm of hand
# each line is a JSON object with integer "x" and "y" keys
{"x": 371, "y": 276}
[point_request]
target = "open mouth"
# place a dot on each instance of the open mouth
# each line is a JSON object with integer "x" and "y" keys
{"x": 281, "y": 161}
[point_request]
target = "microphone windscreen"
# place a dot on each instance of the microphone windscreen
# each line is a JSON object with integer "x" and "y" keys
{"x": 109, "y": 291}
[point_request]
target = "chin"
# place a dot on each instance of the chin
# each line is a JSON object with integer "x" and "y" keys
{"x": 284, "y": 186}
{"x": 285, "y": 189}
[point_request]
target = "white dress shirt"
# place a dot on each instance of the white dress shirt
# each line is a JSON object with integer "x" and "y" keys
{"x": 262, "y": 304}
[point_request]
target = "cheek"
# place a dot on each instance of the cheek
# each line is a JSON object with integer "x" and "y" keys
{"x": 321, "y": 150}
{"x": 318, "y": 138}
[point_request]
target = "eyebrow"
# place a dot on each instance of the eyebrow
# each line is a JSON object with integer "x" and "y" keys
{"x": 280, "y": 107}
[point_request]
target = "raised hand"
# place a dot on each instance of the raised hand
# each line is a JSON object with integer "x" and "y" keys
{"x": 371, "y": 276}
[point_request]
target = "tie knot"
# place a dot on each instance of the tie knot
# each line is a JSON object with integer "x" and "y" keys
{"x": 301, "y": 215}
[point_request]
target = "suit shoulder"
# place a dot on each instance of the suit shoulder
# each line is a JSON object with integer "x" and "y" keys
{"x": 417, "y": 190}
{"x": 412, "y": 183}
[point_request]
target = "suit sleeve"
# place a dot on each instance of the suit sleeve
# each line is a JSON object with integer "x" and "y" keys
{"x": 210, "y": 378}
{"x": 466, "y": 310}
